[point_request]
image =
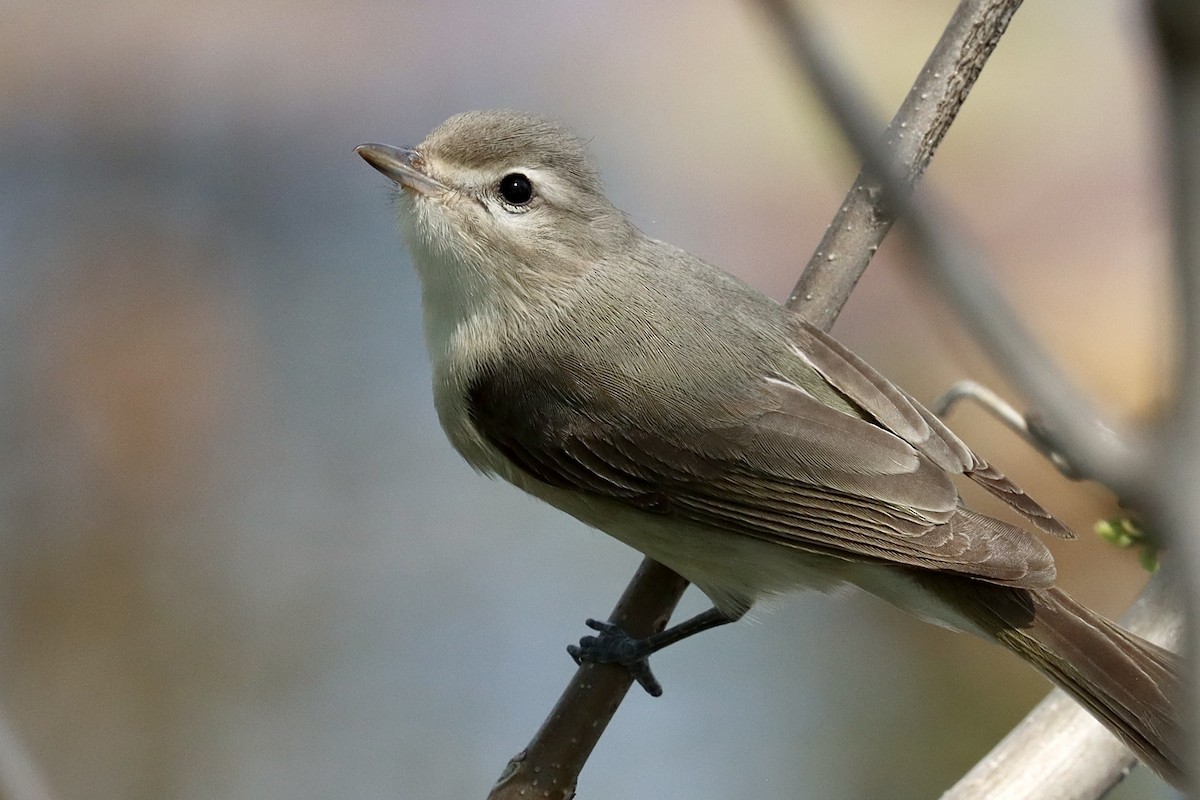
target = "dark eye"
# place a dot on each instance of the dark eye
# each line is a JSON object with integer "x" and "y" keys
{"x": 515, "y": 188}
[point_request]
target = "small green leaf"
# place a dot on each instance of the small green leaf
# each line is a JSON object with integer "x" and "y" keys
{"x": 1126, "y": 533}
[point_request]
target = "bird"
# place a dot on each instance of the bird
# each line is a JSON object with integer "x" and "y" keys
{"x": 659, "y": 399}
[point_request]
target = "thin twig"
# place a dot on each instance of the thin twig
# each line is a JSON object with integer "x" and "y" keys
{"x": 986, "y": 399}
{"x": 550, "y": 765}
{"x": 1028, "y": 427}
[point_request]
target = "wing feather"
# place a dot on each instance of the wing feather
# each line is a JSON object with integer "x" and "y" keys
{"x": 894, "y": 410}
{"x": 785, "y": 468}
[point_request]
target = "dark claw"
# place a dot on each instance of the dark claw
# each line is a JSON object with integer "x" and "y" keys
{"x": 615, "y": 646}
{"x": 645, "y": 678}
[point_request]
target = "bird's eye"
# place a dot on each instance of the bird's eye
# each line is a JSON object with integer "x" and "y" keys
{"x": 516, "y": 189}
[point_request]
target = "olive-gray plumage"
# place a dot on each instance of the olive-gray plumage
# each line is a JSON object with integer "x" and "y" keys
{"x": 663, "y": 401}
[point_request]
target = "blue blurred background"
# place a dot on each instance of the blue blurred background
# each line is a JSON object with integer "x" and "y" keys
{"x": 239, "y": 559}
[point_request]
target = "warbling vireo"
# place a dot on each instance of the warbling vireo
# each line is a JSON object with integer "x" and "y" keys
{"x": 661, "y": 400}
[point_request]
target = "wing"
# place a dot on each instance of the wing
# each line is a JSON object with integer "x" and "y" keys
{"x": 782, "y": 467}
{"x": 894, "y": 410}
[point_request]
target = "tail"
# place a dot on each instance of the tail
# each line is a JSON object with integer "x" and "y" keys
{"x": 1128, "y": 684}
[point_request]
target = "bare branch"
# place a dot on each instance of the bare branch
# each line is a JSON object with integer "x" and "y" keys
{"x": 1174, "y": 500}
{"x": 549, "y": 767}
{"x": 1028, "y": 427}
{"x": 931, "y": 106}
{"x": 987, "y": 399}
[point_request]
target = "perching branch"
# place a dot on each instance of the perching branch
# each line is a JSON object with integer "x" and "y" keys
{"x": 550, "y": 765}
{"x": 910, "y": 140}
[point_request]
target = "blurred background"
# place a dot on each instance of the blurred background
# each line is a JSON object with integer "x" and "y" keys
{"x": 238, "y": 557}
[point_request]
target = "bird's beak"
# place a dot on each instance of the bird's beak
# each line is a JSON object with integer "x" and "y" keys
{"x": 403, "y": 165}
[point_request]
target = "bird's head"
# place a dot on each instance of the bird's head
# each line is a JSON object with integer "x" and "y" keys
{"x": 501, "y": 190}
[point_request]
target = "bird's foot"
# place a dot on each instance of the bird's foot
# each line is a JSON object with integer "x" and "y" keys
{"x": 615, "y": 646}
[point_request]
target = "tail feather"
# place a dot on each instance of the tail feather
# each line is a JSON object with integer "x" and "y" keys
{"x": 1128, "y": 684}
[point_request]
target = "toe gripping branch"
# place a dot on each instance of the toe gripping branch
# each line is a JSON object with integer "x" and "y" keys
{"x": 615, "y": 646}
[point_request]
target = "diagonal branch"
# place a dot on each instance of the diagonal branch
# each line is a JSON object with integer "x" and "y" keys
{"x": 550, "y": 765}
{"x": 910, "y": 140}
